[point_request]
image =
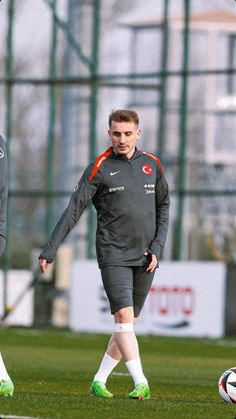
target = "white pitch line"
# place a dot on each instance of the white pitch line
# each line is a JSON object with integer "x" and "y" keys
{"x": 226, "y": 344}
{"x": 16, "y": 417}
{"x": 123, "y": 374}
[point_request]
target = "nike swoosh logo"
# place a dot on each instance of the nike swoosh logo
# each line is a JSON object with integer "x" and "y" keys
{"x": 114, "y": 173}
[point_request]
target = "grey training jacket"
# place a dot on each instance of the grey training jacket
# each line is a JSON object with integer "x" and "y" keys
{"x": 132, "y": 202}
{"x": 3, "y": 188}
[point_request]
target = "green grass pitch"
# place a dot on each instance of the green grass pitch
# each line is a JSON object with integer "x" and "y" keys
{"x": 52, "y": 371}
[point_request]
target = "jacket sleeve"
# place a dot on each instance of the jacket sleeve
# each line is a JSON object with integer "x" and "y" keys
{"x": 3, "y": 188}
{"x": 84, "y": 192}
{"x": 162, "y": 215}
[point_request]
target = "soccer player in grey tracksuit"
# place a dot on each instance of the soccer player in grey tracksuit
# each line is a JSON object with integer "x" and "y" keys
{"x": 6, "y": 385}
{"x": 129, "y": 191}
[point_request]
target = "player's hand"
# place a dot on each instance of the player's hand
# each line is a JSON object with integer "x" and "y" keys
{"x": 153, "y": 264}
{"x": 43, "y": 264}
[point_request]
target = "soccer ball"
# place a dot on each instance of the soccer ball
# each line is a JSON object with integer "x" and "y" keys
{"x": 227, "y": 385}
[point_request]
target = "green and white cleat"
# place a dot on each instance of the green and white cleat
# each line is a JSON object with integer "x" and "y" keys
{"x": 141, "y": 392}
{"x": 98, "y": 389}
{"x": 6, "y": 388}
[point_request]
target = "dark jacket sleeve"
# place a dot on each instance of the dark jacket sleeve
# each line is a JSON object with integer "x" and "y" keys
{"x": 84, "y": 192}
{"x": 162, "y": 215}
{"x": 3, "y": 188}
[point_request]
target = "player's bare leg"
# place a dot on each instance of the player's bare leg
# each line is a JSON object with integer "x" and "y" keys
{"x": 123, "y": 343}
{"x": 124, "y": 333}
{"x": 128, "y": 346}
{"x": 113, "y": 348}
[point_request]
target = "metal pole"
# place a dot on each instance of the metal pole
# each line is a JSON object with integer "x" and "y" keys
{"x": 183, "y": 135}
{"x": 65, "y": 27}
{"x": 231, "y": 57}
{"x": 8, "y": 119}
{"x": 133, "y": 62}
{"x": 51, "y": 125}
{"x": 93, "y": 116}
{"x": 163, "y": 92}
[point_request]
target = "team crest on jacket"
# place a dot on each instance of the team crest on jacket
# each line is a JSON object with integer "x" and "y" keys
{"x": 147, "y": 169}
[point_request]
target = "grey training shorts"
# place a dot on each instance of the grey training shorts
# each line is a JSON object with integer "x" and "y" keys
{"x": 126, "y": 286}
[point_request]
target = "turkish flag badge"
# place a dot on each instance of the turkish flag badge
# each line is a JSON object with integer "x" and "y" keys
{"x": 147, "y": 169}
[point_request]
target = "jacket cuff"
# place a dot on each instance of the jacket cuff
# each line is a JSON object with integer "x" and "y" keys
{"x": 46, "y": 257}
{"x": 155, "y": 249}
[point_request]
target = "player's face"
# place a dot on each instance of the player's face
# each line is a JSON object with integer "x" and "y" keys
{"x": 124, "y": 136}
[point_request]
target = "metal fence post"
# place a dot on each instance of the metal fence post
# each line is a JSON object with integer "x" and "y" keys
{"x": 93, "y": 117}
{"x": 179, "y": 251}
{"x": 51, "y": 125}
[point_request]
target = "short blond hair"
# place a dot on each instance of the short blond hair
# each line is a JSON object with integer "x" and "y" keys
{"x": 123, "y": 115}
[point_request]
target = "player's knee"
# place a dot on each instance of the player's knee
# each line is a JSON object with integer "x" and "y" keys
{"x": 124, "y": 315}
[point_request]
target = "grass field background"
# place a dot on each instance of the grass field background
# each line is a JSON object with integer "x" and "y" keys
{"x": 52, "y": 371}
